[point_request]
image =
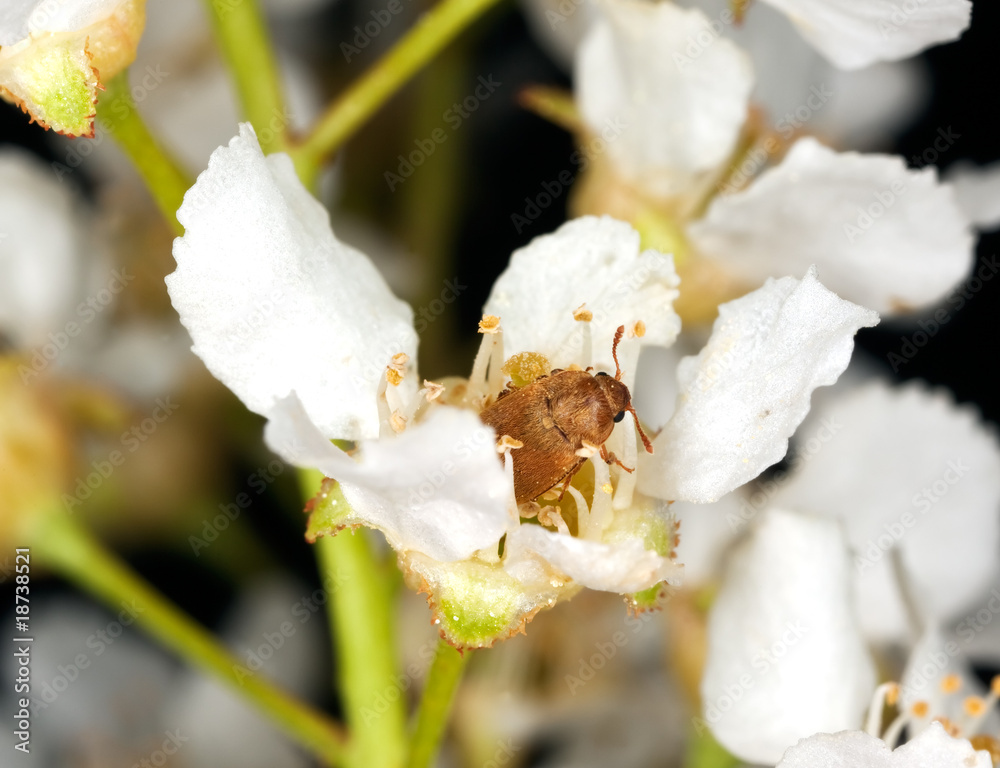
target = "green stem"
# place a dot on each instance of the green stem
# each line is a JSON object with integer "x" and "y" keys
{"x": 166, "y": 180}
{"x": 360, "y": 612}
{"x": 439, "y": 692}
{"x": 66, "y": 547}
{"x": 703, "y": 751}
{"x": 241, "y": 32}
{"x": 363, "y": 98}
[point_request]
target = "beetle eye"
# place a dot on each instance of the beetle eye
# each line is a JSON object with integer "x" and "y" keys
{"x": 601, "y": 373}
{"x": 619, "y": 416}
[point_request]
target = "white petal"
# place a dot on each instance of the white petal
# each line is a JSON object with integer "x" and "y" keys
{"x": 856, "y": 749}
{"x": 856, "y": 33}
{"x": 935, "y": 495}
{"x": 785, "y": 655}
{"x": 275, "y": 303}
{"x": 678, "y": 115}
{"x": 934, "y": 748}
{"x": 882, "y": 235}
{"x": 437, "y": 488}
{"x": 977, "y": 191}
{"x": 47, "y": 263}
{"x": 746, "y": 392}
{"x": 623, "y": 566}
{"x": 706, "y": 533}
{"x": 20, "y": 18}
{"x": 592, "y": 261}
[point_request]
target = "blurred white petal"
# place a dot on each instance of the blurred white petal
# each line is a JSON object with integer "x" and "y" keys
{"x": 977, "y": 191}
{"x": 746, "y": 392}
{"x": 883, "y": 236}
{"x": 785, "y": 654}
{"x": 679, "y": 115}
{"x": 855, "y": 33}
{"x": 275, "y": 303}
{"x": 906, "y": 468}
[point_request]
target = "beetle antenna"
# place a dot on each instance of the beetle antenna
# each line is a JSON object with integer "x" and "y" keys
{"x": 614, "y": 351}
{"x": 645, "y": 440}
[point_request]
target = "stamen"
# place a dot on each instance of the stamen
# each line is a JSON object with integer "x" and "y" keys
{"x": 587, "y": 450}
{"x": 512, "y": 511}
{"x": 432, "y": 390}
{"x": 881, "y": 697}
{"x": 951, "y": 683}
{"x": 583, "y": 521}
{"x": 488, "y": 360}
{"x": 974, "y": 706}
{"x": 627, "y": 480}
{"x": 586, "y": 338}
{"x": 508, "y": 443}
{"x": 582, "y": 314}
{"x": 601, "y": 512}
{"x": 397, "y": 421}
{"x": 979, "y": 709}
{"x": 638, "y": 330}
{"x": 552, "y": 516}
{"x": 529, "y": 509}
{"x": 920, "y": 709}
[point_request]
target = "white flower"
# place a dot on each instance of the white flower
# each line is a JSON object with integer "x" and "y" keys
{"x": 858, "y": 749}
{"x": 913, "y": 482}
{"x": 306, "y": 332}
{"x": 881, "y": 235}
{"x": 54, "y": 55}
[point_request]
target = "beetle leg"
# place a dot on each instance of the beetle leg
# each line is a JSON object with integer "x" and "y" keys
{"x": 610, "y": 458}
{"x": 565, "y": 486}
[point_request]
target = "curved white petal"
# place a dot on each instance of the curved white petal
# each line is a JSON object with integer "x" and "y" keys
{"x": 855, "y": 33}
{"x": 47, "y": 264}
{"x": 275, "y": 303}
{"x": 21, "y": 18}
{"x": 785, "y": 655}
{"x": 906, "y": 469}
{"x": 933, "y": 748}
{"x": 437, "y": 488}
{"x": 668, "y": 115}
{"x": 707, "y": 531}
{"x": 883, "y": 236}
{"x": 623, "y": 566}
{"x": 746, "y": 392}
{"x": 592, "y": 261}
{"x": 977, "y": 191}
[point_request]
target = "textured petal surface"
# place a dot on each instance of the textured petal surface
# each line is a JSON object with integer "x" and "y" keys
{"x": 785, "y": 654}
{"x": 934, "y": 496}
{"x": 746, "y": 392}
{"x": 678, "y": 115}
{"x": 856, "y": 33}
{"x": 592, "y": 261}
{"x": 977, "y": 190}
{"x": 931, "y": 749}
{"x": 275, "y": 303}
{"x": 437, "y": 488}
{"x": 883, "y": 236}
{"x": 623, "y": 566}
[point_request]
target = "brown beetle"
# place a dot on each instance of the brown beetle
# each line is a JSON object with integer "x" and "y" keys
{"x": 560, "y": 419}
